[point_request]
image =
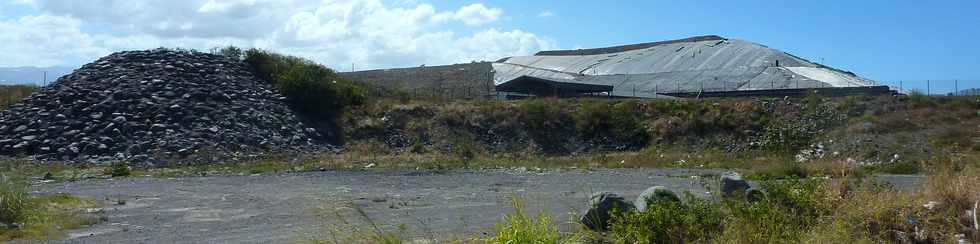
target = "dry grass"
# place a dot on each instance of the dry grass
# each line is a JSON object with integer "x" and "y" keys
{"x": 10, "y": 95}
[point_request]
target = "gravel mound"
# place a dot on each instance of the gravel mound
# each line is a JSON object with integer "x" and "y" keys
{"x": 153, "y": 106}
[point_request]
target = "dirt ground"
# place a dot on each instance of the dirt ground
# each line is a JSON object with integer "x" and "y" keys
{"x": 289, "y": 208}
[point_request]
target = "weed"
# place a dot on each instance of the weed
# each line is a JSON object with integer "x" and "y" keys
{"x": 357, "y": 227}
{"x": 520, "y": 228}
{"x": 691, "y": 220}
{"x": 119, "y": 169}
{"x": 14, "y": 201}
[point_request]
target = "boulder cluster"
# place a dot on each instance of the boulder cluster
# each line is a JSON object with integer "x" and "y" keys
{"x": 602, "y": 205}
{"x": 155, "y": 105}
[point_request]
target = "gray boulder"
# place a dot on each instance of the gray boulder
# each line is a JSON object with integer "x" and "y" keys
{"x": 601, "y": 207}
{"x": 732, "y": 182}
{"x": 655, "y": 194}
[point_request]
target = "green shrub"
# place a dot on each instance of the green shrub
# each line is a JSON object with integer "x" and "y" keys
{"x": 520, "y": 228}
{"x": 802, "y": 198}
{"x": 232, "y": 52}
{"x": 690, "y": 221}
{"x": 545, "y": 123}
{"x": 790, "y": 209}
{"x": 920, "y": 100}
{"x": 119, "y": 169}
{"x": 14, "y": 201}
{"x": 417, "y": 148}
{"x": 310, "y": 87}
{"x": 619, "y": 122}
{"x": 592, "y": 118}
{"x": 627, "y": 124}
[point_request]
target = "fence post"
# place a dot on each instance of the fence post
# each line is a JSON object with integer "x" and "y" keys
{"x": 956, "y": 87}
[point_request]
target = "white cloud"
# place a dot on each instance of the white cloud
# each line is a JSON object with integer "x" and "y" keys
{"x": 546, "y": 14}
{"x": 223, "y": 6}
{"x": 477, "y": 14}
{"x": 43, "y": 40}
{"x": 369, "y": 33}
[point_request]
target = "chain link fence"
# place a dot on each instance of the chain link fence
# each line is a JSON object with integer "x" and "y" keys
{"x": 936, "y": 87}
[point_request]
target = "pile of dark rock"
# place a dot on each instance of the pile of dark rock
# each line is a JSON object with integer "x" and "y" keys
{"x": 154, "y": 106}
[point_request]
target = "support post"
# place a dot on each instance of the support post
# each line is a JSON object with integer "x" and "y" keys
{"x": 956, "y": 87}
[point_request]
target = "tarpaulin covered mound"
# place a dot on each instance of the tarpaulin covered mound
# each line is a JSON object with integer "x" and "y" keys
{"x": 150, "y": 106}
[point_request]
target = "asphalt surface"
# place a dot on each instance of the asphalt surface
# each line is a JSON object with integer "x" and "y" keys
{"x": 289, "y": 208}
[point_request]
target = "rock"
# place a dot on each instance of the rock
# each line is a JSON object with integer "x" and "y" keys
{"x": 158, "y": 127}
{"x": 21, "y": 145}
{"x": 732, "y": 182}
{"x": 601, "y": 207}
{"x": 130, "y": 98}
{"x": 653, "y": 195}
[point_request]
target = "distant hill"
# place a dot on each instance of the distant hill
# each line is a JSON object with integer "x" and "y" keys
{"x": 31, "y": 75}
{"x": 966, "y": 92}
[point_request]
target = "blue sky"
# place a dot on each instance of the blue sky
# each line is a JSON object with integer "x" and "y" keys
{"x": 882, "y": 40}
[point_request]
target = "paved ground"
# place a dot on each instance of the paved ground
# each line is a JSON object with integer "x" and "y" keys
{"x": 284, "y": 208}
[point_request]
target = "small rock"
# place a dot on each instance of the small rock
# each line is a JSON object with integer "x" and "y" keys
{"x": 158, "y": 127}
{"x": 732, "y": 182}
{"x": 601, "y": 206}
{"x": 930, "y": 205}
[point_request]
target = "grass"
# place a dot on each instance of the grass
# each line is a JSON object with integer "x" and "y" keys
{"x": 852, "y": 210}
{"x": 44, "y": 217}
{"x": 693, "y": 220}
{"x": 360, "y": 228}
{"x": 520, "y": 228}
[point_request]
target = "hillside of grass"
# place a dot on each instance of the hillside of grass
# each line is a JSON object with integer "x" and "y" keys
{"x": 815, "y": 134}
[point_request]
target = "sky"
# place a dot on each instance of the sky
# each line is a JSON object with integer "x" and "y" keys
{"x": 877, "y": 39}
